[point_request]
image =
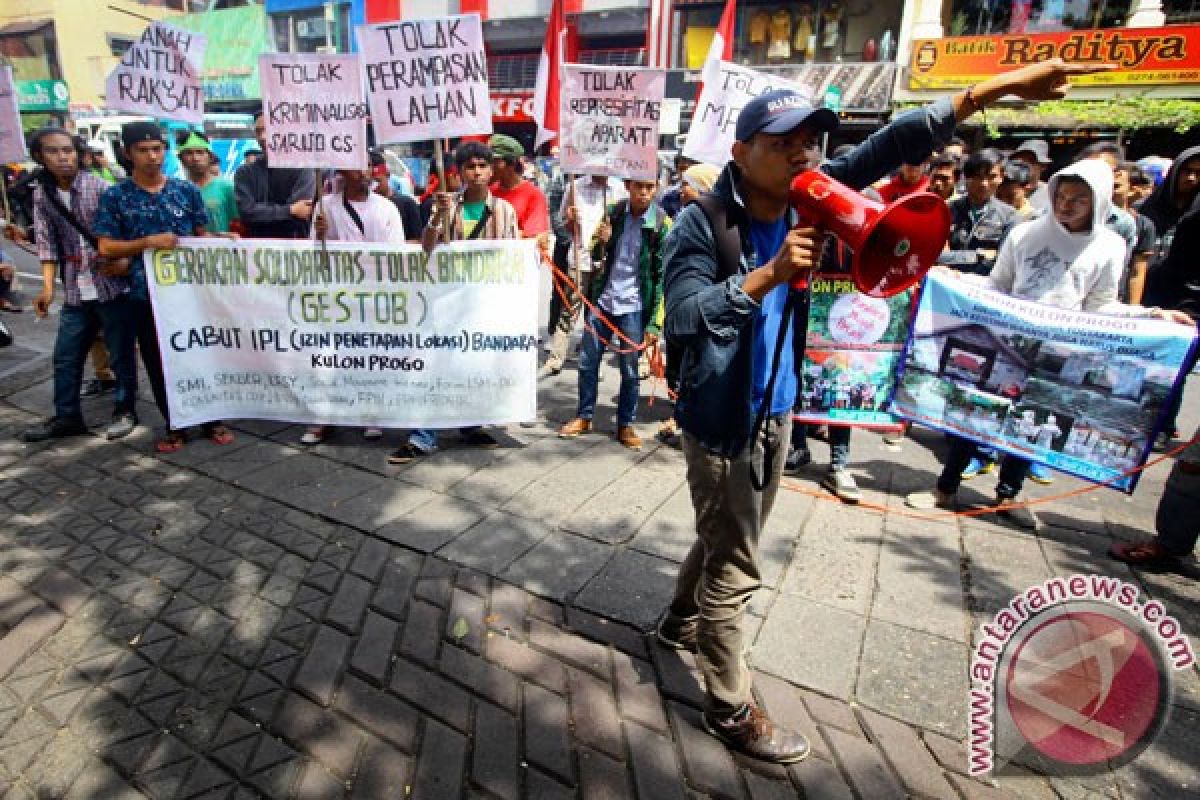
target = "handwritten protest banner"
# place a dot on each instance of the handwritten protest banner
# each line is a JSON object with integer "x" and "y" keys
{"x": 426, "y": 78}
{"x": 852, "y": 354}
{"x": 358, "y": 334}
{"x": 159, "y": 75}
{"x": 12, "y": 139}
{"x": 610, "y": 119}
{"x": 710, "y": 139}
{"x": 314, "y": 110}
{"x": 1082, "y": 393}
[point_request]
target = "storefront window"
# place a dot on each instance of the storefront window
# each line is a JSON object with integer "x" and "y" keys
{"x": 980, "y": 17}
{"x": 309, "y": 31}
{"x": 32, "y": 53}
{"x": 770, "y": 32}
{"x": 1181, "y": 12}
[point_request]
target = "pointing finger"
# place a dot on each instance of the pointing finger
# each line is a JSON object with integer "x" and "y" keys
{"x": 1087, "y": 69}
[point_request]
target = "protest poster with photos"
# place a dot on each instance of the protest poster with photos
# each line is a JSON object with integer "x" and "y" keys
{"x": 426, "y": 78}
{"x": 1079, "y": 392}
{"x": 378, "y": 335}
{"x": 851, "y": 355}
{"x": 314, "y": 110}
{"x": 159, "y": 75}
{"x": 610, "y": 120}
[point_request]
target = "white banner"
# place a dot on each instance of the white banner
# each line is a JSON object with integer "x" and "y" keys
{"x": 356, "y": 334}
{"x": 159, "y": 75}
{"x": 608, "y": 120}
{"x": 314, "y": 110}
{"x": 714, "y": 124}
{"x": 426, "y": 78}
{"x": 12, "y": 138}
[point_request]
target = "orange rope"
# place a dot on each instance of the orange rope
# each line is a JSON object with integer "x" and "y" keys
{"x": 558, "y": 278}
{"x": 975, "y": 512}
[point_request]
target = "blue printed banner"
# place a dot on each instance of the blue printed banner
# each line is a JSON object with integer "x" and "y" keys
{"x": 1081, "y": 393}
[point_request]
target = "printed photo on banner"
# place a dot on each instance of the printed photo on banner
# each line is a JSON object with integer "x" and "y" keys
{"x": 12, "y": 139}
{"x": 1083, "y": 393}
{"x": 610, "y": 120}
{"x": 853, "y": 351}
{"x": 314, "y": 110}
{"x": 159, "y": 75}
{"x": 376, "y": 335}
{"x": 426, "y": 78}
{"x": 714, "y": 124}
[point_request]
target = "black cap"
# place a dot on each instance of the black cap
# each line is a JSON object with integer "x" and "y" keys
{"x": 782, "y": 111}
{"x": 134, "y": 132}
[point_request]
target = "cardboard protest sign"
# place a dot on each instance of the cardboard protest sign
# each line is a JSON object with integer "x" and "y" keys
{"x": 1082, "y": 393}
{"x": 314, "y": 110}
{"x": 710, "y": 139}
{"x": 159, "y": 75}
{"x": 852, "y": 354}
{"x": 12, "y": 139}
{"x": 426, "y": 78}
{"x": 349, "y": 334}
{"x": 609, "y": 120}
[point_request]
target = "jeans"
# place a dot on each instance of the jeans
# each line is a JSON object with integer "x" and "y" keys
{"x": 596, "y": 339}
{"x": 77, "y": 329}
{"x": 720, "y": 573}
{"x": 426, "y": 439}
{"x": 839, "y": 443}
{"x": 1178, "y": 517}
{"x": 1013, "y": 469}
{"x": 147, "y": 341}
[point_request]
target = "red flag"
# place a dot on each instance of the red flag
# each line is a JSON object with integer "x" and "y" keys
{"x": 546, "y": 93}
{"x": 721, "y": 48}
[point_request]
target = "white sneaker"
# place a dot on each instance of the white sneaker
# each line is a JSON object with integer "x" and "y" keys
{"x": 927, "y": 501}
{"x": 313, "y": 435}
{"x": 843, "y": 486}
{"x": 372, "y": 434}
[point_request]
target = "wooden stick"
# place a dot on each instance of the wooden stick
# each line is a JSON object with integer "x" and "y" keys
{"x": 7, "y": 208}
{"x": 440, "y": 167}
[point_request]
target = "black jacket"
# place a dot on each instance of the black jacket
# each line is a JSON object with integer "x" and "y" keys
{"x": 264, "y": 199}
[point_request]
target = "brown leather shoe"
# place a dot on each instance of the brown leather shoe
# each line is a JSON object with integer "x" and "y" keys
{"x": 750, "y": 732}
{"x": 574, "y": 428}
{"x": 627, "y": 436}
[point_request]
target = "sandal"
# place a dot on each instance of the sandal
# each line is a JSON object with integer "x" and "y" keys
{"x": 1144, "y": 554}
{"x": 219, "y": 434}
{"x": 171, "y": 443}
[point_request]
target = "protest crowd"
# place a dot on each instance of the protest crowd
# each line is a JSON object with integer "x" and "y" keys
{"x": 684, "y": 276}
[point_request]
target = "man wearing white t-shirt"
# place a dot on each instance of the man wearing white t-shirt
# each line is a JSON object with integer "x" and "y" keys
{"x": 355, "y": 214}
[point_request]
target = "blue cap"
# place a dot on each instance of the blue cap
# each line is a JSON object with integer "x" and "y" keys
{"x": 782, "y": 111}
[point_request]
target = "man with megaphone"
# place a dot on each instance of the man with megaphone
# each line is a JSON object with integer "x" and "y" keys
{"x": 728, "y": 263}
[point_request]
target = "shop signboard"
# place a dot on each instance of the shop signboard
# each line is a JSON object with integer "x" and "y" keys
{"x": 42, "y": 96}
{"x": 1144, "y": 56}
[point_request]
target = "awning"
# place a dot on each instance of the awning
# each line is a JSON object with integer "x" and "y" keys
{"x": 236, "y": 38}
{"x": 284, "y": 6}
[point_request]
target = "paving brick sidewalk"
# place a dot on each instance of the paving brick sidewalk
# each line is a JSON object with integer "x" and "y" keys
{"x": 262, "y": 620}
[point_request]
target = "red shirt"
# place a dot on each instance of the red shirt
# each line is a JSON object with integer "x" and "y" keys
{"x": 896, "y": 188}
{"x": 533, "y": 215}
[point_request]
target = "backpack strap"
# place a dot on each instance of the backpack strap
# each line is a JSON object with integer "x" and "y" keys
{"x": 726, "y": 234}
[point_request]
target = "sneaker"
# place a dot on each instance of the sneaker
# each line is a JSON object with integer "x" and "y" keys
{"x": 797, "y": 459}
{"x": 94, "y": 387}
{"x": 314, "y": 435}
{"x": 372, "y": 434}
{"x": 55, "y": 428}
{"x": 977, "y": 467}
{"x": 750, "y": 732}
{"x": 1010, "y": 509}
{"x": 843, "y": 486}
{"x": 928, "y": 501}
{"x": 405, "y": 453}
{"x": 549, "y": 370}
{"x": 677, "y": 633}
{"x": 1038, "y": 473}
{"x": 123, "y": 423}
{"x": 575, "y": 428}
{"x": 627, "y": 436}
{"x": 480, "y": 438}
{"x": 1162, "y": 442}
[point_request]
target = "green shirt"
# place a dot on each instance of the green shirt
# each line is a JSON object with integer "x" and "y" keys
{"x": 221, "y": 204}
{"x": 472, "y": 214}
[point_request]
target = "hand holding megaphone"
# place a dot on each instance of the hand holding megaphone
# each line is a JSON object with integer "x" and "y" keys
{"x": 799, "y": 255}
{"x": 894, "y": 246}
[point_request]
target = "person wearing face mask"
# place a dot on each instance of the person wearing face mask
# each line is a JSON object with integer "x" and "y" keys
{"x": 1067, "y": 259}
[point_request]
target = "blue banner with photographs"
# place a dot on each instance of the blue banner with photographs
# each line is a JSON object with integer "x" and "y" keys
{"x": 1081, "y": 393}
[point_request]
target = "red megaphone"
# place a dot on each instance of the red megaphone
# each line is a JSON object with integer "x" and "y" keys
{"x": 894, "y": 246}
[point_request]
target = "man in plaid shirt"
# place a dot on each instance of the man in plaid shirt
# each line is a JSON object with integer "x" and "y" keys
{"x": 65, "y": 200}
